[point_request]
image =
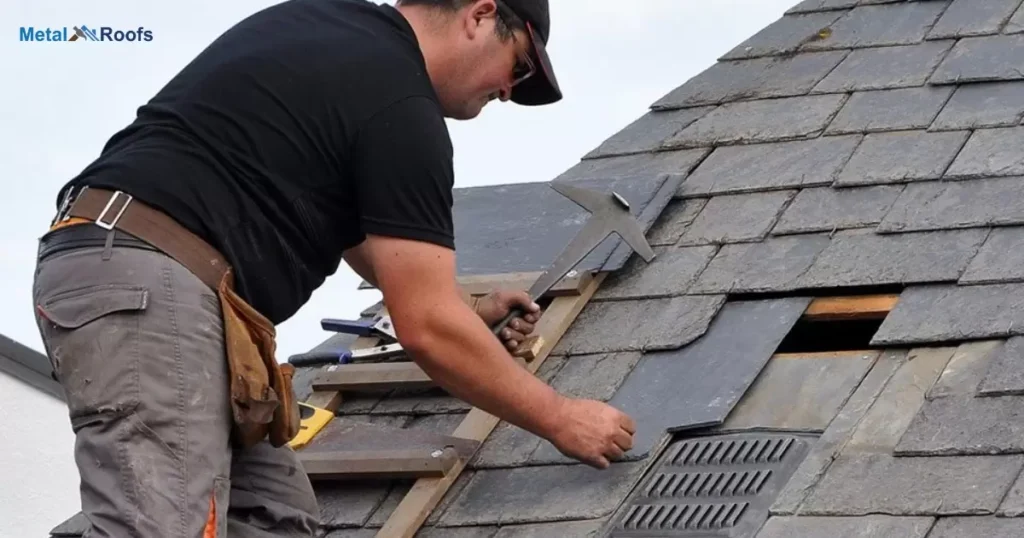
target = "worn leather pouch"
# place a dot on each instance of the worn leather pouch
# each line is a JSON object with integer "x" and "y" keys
{"x": 263, "y": 402}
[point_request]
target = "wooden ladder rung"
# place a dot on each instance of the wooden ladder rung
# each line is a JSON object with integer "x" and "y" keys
{"x": 378, "y": 464}
{"x": 372, "y": 376}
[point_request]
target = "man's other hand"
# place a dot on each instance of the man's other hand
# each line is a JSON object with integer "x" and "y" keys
{"x": 593, "y": 432}
{"x": 494, "y": 307}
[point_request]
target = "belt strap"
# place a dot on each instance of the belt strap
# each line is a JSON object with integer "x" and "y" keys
{"x": 110, "y": 209}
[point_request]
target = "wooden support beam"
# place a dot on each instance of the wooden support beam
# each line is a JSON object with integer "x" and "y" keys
{"x": 378, "y": 464}
{"x": 406, "y": 520}
{"x": 845, "y": 308}
{"x": 484, "y": 284}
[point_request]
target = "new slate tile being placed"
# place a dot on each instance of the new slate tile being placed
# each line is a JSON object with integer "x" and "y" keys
{"x": 700, "y": 384}
{"x": 972, "y": 18}
{"x": 674, "y": 220}
{"x": 636, "y": 325}
{"x": 937, "y": 313}
{"x": 847, "y": 527}
{"x": 648, "y": 132}
{"x": 778, "y": 165}
{"x": 811, "y": 6}
{"x": 903, "y": 23}
{"x": 635, "y": 166}
{"x": 865, "y": 258}
{"x": 735, "y": 218}
{"x": 771, "y": 265}
{"x": 763, "y": 120}
{"x": 783, "y": 36}
{"x": 890, "y": 110}
{"x": 496, "y": 226}
{"x": 990, "y": 152}
{"x": 1005, "y": 370}
{"x": 863, "y": 483}
{"x": 885, "y": 67}
{"x": 800, "y": 394}
{"x": 965, "y": 426}
{"x": 1001, "y": 258}
{"x": 978, "y": 59}
{"x": 978, "y": 527}
{"x": 943, "y": 205}
{"x": 824, "y": 209}
{"x": 982, "y": 104}
{"x": 901, "y": 157}
{"x": 753, "y": 79}
{"x": 541, "y": 494}
{"x": 670, "y": 273}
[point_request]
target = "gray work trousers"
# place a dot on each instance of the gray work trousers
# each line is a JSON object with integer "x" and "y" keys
{"x": 136, "y": 341}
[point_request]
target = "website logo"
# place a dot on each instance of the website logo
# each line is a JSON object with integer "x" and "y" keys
{"x": 83, "y": 33}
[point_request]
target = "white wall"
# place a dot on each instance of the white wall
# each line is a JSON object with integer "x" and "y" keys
{"x": 39, "y": 484}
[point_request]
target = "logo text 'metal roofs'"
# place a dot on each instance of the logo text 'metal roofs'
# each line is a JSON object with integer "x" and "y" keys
{"x": 83, "y": 33}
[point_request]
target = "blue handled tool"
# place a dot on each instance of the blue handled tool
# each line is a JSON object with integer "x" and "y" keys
{"x": 380, "y": 327}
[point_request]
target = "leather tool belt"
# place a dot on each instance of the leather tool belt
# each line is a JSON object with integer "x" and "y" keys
{"x": 262, "y": 398}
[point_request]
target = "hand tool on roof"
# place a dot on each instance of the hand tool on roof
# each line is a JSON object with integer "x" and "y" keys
{"x": 312, "y": 421}
{"x": 380, "y": 327}
{"x": 610, "y": 214}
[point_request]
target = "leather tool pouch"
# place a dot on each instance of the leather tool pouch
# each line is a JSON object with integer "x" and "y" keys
{"x": 263, "y": 402}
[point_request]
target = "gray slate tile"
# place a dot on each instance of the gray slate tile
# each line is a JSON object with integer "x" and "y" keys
{"x": 890, "y": 110}
{"x": 979, "y": 59}
{"x": 865, "y": 483}
{"x": 458, "y": 532}
{"x": 964, "y": 426}
{"x": 752, "y": 79}
{"x": 640, "y": 165}
{"x": 571, "y": 529}
{"x": 846, "y": 527}
{"x": 700, "y": 384}
{"x": 942, "y": 205}
{"x": 670, "y": 273}
{"x": 772, "y": 265}
{"x": 824, "y": 209}
{"x": 763, "y": 120}
{"x": 964, "y": 372}
{"x": 811, "y": 6}
{"x": 940, "y": 313}
{"x": 1005, "y": 372}
{"x": 983, "y": 104}
{"x": 75, "y": 525}
{"x": 1013, "y": 503}
{"x": 783, "y": 36}
{"x": 1000, "y": 259}
{"x": 349, "y": 504}
{"x": 973, "y": 18}
{"x": 648, "y": 132}
{"x": 800, "y": 394}
{"x": 673, "y": 221}
{"x": 419, "y": 402}
{"x": 1016, "y": 22}
{"x": 901, "y": 156}
{"x": 542, "y": 494}
{"x": 977, "y": 527}
{"x": 865, "y": 258}
{"x": 990, "y": 152}
{"x": 881, "y": 428}
{"x": 734, "y": 218}
{"x": 506, "y": 446}
{"x": 902, "y": 23}
{"x": 838, "y": 433}
{"x": 748, "y": 168}
{"x": 665, "y": 323}
{"x": 354, "y": 533}
{"x": 883, "y": 68}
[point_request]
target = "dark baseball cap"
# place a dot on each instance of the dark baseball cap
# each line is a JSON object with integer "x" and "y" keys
{"x": 542, "y": 87}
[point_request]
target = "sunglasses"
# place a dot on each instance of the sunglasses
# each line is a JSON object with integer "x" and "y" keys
{"x": 524, "y": 67}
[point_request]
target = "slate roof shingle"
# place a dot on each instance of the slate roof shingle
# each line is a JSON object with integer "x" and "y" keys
{"x": 851, "y": 146}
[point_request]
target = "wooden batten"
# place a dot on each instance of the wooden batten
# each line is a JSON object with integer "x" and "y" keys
{"x": 854, "y": 307}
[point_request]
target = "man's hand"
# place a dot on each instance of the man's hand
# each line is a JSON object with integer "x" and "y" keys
{"x": 495, "y": 306}
{"x": 593, "y": 432}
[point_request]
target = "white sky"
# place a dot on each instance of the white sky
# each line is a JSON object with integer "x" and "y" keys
{"x": 63, "y": 100}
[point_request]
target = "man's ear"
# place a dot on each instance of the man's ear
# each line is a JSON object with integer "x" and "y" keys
{"x": 477, "y": 15}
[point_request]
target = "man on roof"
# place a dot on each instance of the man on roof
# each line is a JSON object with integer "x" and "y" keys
{"x": 309, "y": 133}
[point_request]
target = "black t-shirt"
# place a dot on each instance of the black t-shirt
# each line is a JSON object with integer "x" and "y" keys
{"x": 295, "y": 133}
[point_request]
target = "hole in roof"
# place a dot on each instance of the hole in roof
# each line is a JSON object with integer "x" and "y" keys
{"x": 838, "y": 324}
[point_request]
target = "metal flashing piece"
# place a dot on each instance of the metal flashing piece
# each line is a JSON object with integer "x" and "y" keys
{"x": 712, "y": 487}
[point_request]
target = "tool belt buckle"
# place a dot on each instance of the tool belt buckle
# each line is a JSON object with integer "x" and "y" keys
{"x": 110, "y": 226}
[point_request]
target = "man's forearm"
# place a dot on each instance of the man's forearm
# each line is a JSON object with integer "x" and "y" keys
{"x": 462, "y": 356}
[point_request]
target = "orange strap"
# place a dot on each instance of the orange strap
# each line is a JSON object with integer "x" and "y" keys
{"x": 210, "y": 530}
{"x": 70, "y": 222}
